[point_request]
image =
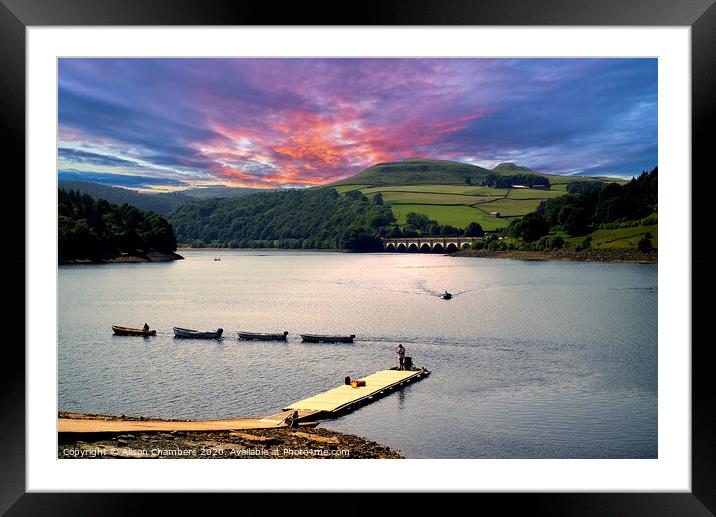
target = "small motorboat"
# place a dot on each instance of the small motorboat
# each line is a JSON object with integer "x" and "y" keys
{"x": 263, "y": 336}
{"x": 216, "y": 259}
{"x": 446, "y": 296}
{"x": 128, "y": 331}
{"x": 196, "y": 334}
{"x": 315, "y": 338}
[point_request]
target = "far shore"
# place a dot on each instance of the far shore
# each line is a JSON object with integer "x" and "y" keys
{"x": 124, "y": 258}
{"x": 320, "y": 250}
{"x": 247, "y": 441}
{"x": 588, "y": 255}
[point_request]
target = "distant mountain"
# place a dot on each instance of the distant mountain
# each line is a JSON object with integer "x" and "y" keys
{"x": 421, "y": 171}
{"x": 512, "y": 168}
{"x": 509, "y": 168}
{"x": 416, "y": 171}
{"x": 163, "y": 203}
{"x": 221, "y": 192}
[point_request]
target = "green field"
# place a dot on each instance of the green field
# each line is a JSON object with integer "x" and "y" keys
{"x": 528, "y": 193}
{"x": 469, "y": 190}
{"x": 439, "y": 189}
{"x": 393, "y": 198}
{"x": 511, "y": 207}
{"x": 458, "y": 216}
{"x": 457, "y": 205}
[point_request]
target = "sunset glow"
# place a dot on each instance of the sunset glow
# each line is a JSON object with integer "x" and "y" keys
{"x": 174, "y": 123}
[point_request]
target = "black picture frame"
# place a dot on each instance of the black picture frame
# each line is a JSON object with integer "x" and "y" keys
{"x": 700, "y": 15}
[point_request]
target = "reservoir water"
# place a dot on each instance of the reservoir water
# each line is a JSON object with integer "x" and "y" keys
{"x": 529, "y": 359}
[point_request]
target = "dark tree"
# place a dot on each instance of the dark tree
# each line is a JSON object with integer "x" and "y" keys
{"x": 89, "y": 228}
{"x": 529, "y": 228}
{"x": 474, "y": 230}
{"x": 645, "y": 245}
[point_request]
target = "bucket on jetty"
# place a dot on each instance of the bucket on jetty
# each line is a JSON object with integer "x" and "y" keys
{"x": 408, "y": 363}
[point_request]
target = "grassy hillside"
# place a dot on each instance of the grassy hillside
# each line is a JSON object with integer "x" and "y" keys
{"x": 458, "y": 205}
{"x": 617, "y": 238}
{"x": 439, "y": 190}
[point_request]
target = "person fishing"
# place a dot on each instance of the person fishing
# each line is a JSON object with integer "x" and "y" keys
{"x": 401, "y": 356}
{"x": 145, "y": 328}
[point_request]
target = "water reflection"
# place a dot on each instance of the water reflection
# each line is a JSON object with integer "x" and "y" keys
{"x": 528, "y": 359}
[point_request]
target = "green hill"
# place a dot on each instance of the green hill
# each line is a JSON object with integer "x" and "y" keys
{"x": 457, "y": 193}
{"x": 417, "y": 172}
{"x": 512, "y": 168}
{"x": 420, "y": 171}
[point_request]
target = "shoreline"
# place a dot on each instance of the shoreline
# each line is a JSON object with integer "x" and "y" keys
{"x": 304, "y": 442}
{"x": 297, "y": 250}
{"x": 124, "y": 258}
{"x": 588, "y": 255}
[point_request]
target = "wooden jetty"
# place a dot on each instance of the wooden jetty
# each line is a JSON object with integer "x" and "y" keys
{"x": 91, "y": 425}
{"x": 346, "y": 398}
{"x": 329, "y": 404}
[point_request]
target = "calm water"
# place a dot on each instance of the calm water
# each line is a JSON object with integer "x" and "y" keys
{"x": 528, "y": 360}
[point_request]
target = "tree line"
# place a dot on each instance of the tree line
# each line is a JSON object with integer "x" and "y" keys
{"x": 91, "y": 228}
{"x": 588, "y": 206}
{"x": 314, "y": 218}
{"x": 528, "y": 180}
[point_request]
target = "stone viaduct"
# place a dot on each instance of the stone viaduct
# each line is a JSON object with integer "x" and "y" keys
{"x": 428, "y": 244}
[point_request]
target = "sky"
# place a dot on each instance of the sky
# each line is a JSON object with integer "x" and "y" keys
{"x": 168, "y": 124}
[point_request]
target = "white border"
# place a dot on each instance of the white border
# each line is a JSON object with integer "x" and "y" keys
{"x": 671, "y": 471}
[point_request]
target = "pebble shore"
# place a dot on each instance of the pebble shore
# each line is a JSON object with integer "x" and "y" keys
{"x": 284, "y": 443}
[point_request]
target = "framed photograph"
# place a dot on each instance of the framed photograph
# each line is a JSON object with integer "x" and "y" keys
{"x": 423, "y": 240}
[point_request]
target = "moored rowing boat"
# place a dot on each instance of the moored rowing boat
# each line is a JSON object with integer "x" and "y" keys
{"x": 263, "y": 336}
{"x": 196, "y": 334}
{"x": 316, "y": 338}
{"x": 129, "y": 331}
